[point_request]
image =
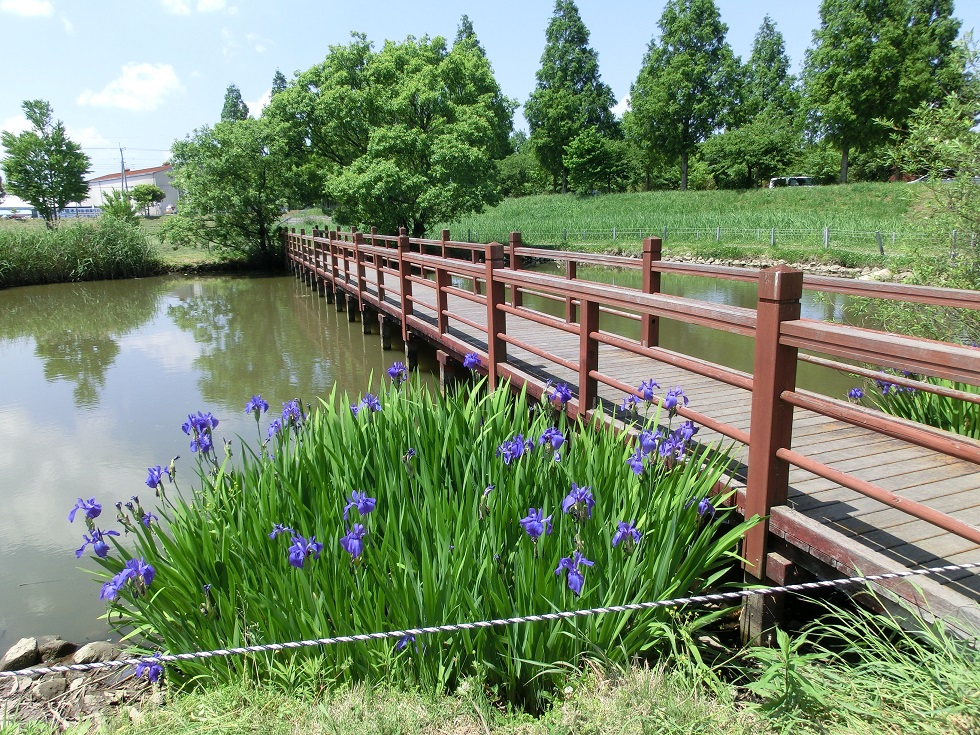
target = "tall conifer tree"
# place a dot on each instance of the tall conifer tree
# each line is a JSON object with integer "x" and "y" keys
{"x": 569, "y": 97}
{"x": 679, "y": 97}
{"x": 234, "y": 107}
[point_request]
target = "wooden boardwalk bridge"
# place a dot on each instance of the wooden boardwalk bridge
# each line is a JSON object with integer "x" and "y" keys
{"x": 847, "y": 490}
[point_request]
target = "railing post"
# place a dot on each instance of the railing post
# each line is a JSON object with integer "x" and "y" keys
{"x": 571, "y": 272}
{"x": 405, "y": 285}
{"x": 442, "y": 299}
{"x": 359, "y": 273}
{"x": 653, "y": 248}
{"x": 379, "y": 264}
{"x": 780, "y": 291}
{"x": 496, "y": 319}
{"x": 516, "y": 262}
{"x": 445, "y": 238}
{"x": 588, "y": 357}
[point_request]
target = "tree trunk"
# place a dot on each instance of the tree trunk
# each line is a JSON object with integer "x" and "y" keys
{"x": 684, "y": 171}
{"x": 418, "y": 229}
{"x": 646, "y": 183}
{"x": 843, "y": 164}
{"x": 564, "y": 182}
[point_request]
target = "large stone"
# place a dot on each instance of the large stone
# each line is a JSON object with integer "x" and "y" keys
{"x": 95, "y": 651}
{"x": 49, "y": 688}
{"x": 20, "y": 655}
{"x": 53, "y": 647}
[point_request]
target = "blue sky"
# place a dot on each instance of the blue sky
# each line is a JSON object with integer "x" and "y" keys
{"x": 143, "y": 73}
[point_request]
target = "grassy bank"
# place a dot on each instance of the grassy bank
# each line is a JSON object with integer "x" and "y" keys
{"x": 799, "y": 216}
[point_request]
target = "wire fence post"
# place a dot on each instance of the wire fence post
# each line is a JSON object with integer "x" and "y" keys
{"x": 881, "y": 245}
{"x": 772, "y": 237}
{"x": 826, "y": 237}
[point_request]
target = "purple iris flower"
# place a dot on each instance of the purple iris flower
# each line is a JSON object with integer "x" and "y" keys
{"x": 154, "y": 476}
{"x": 274, "y": 428}
{"x": 561, "y": 393}
{"x": 635, "y": 462}
{"x": 292, "y": 413}
{"x": 90, "y": 507}
{"x": 404, "y": 641}
{"x": 472, "y": 361}
{"x": 673, "y": 447}
{"x": 371, "y": 401}
{"x": 571, "y": 564}
{"x": 626, "y": 532}
{"x": 136, "y": 571}
{"x": 278, "y": 528}
{"x": 674, "y": 396}
{"x": 148, "y": 518}
{"x": 535, "y": 523}
{"x": 553, "y": 438}
{"x": 579, "y": 502}
{"x": 353, "y": 542}
{"x": 97, "y": 541}
{"x": 646, "y": 390}
{"x": 361, "y": 501}
{"x": 151, "y": 671}
{"x": 199, "y": 427}
{"x": 706, "y": 508}
{"x": 687, "y": 430}
{"x": 301, "y": 549}
{"x": 885, "y": 387}
{"x": 256, "y": 405}
{"x": 630, "y": 404}
{"x": 514, "y": 448}
{"x": 398, "y": 372}
{"x": 855, "y": 394}
{"x": 649, "y": 440}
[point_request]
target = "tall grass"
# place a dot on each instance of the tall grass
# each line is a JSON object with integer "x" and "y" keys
{"x": 942, "y": 412}
{"x": 745, "y": 217}
{"x": 444, "y": 542}
{"x": 77, "y": 251}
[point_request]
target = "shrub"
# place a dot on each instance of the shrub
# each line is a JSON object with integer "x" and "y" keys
{"x": 409, "y": 510}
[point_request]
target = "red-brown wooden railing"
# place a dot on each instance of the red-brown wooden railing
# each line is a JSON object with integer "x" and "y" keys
{"x": 337, "y": 263}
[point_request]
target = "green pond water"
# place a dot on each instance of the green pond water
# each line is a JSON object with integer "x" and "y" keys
{"x": 97, "y": 378}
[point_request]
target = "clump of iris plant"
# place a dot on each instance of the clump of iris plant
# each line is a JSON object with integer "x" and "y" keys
{"x": 570, "y": 565}
{"x": 398, "y": 373}
{"x": 472, "y": 361}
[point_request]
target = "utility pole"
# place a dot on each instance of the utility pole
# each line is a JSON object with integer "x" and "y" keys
{"x": 122, "y": 169}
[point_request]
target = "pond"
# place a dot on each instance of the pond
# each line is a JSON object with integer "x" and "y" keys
{"x": 97, "y": 378}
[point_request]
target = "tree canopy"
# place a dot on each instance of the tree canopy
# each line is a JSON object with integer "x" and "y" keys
{"x": 399, "y": 137}
{"x": 688, "y": 75}
{"x": 569, "y": 97}
{"x": 43, "y": 165}
{"x": 877, "y": 59}
{"x": 146, "y": 194}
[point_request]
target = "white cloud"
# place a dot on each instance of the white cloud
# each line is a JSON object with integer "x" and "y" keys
{"x": 87, "y": 137}
{"x": 256, "y": 41}
{"x": 255, "y": 108}
{"x": 27, "y": 8}
{"x": 142, "y": 87}
{"x": 619, "y": 109}
{"x": 66, "y": 24}
{"x": 210, "y": 6}
{"x": 228, "y": 43}
{"x": 176, "y": 7}
{"x": 15, "y": 125}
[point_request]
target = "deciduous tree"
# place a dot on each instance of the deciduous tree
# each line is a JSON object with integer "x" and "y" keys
{"x": 232, "y": 187}
{"x": 569, "y": 97}
{"x": 401, "y": 137}
{"x": 278, "y": 82}
{"x": 43, "y": 166}
{"x": 688, "y": 74}
{"x": 145, "y": 195}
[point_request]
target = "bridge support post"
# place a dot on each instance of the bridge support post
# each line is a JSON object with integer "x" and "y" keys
{"x": 385, "y": 327}
{"x": 650, "y": 325}
{"x": 328, "y": 290}
{"x": 341, "y": 298}
{"x": 351, "y": 307}
{"x": 451, "y": 371}
{"x": 496, "y": 319}
{"x": 368, "y": 315}
{"x": 411, "y": 351}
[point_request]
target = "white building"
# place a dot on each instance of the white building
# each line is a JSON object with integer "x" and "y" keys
{"x": 159, "y": 176}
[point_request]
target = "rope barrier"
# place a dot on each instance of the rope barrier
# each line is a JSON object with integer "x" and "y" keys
{"x": 498, "y": 622}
